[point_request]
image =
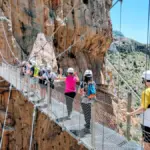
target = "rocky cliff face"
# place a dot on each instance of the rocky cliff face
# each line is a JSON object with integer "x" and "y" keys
{"x": 86, "y": 26}
{"x": 88, "y": 18}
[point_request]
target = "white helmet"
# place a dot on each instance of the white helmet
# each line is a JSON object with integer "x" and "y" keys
{"x": 70, "y": 70}
{"x": 146, "y": 75}
{"x": 49, "y": 68}
{"x": 33, "y": 62}
{"x": 24, "y": 62}
{"x": 41, "y": 65}
{"x": 88, "y": 73}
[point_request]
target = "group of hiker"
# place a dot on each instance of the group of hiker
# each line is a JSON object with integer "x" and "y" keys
{"x": 87, "y": 90}
{"x": 44, "y": 75}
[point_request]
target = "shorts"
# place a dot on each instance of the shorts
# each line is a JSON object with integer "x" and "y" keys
{"x": 43, "y": 86}
{"x": 146, "y": 133}
{"x": 33, "y": 80}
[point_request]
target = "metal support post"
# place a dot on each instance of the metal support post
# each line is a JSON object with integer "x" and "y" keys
{"x": 19, "y": 85}
{"x": 48, "y": 96}
{"x": 93, "y": 125}
{"x": 79, "y": 140}
{"x": 32, "y": 129}
{"x": 16, "y": 77}
{"x": 9, "y": 74}
{"x": 128, "y": 117}
{"x": 28, "y": 85}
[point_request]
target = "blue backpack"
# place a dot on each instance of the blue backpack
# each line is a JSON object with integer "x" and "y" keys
{"x": 91, "y": 89}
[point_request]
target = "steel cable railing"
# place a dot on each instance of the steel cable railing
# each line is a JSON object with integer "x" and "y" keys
{"x": 105, "y": 132}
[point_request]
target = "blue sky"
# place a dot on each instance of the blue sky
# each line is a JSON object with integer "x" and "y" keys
{"x": 134, "y": 19}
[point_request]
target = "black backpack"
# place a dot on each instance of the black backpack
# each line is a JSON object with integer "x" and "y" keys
{"x": 51, "y": 82}
{"x": 41, "y": 72}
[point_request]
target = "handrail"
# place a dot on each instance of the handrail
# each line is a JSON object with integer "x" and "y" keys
{"x": 57, "y": 111}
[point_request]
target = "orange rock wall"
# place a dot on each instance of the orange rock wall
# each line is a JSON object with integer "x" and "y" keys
{"x": 88, "y": 18}
{"x": 47, "y": 134}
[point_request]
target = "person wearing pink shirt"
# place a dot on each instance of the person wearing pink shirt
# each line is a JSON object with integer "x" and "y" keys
{"x": 70, "y": 89}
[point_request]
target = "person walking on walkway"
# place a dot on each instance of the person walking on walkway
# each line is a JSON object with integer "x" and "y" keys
{"x": 32, "y": 78}
{"x": 88, "y": 96}
{"x": 70, "y": 88}
{"x": 49, "y": 76}
{"x": 42, "y": 81}
{"x": 144, "y": 110}
{"x": 27, "y": 68}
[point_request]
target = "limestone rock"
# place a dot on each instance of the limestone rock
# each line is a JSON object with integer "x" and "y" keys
{"x": 44, "y": 54}
{"x": 85, "y": 24}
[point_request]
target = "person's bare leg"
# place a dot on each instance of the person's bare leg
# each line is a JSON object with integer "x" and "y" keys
{"x": 44, "y": 93}
{"x": 146, "y": 146}
{"x": 41, "y": 93}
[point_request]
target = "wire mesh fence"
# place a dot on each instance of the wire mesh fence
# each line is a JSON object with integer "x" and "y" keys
{"x": 97, "y": 125}
{"x": 122, "y": 85}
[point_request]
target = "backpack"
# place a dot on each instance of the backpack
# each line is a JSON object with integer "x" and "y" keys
{"x": 50, "y": 80}
{"x": 41, "y": 72}
{"x": 32, "y": 71}
{"x": 91, "y": 90}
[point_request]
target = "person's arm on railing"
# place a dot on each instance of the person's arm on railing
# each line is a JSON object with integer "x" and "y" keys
{"x": 61, "y": 78}
{"x": 136, "y": 112}
{"x": 143, "y": 107}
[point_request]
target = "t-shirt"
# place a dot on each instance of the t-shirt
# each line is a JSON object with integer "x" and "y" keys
{"x": 52, "y": 76}
{"x": 36, "y": 71}
{"x": 145, "y": 99}
{"x": 70, "y": 84}
{"x": 145, "y": 103}
{"x": 49, "y": 76}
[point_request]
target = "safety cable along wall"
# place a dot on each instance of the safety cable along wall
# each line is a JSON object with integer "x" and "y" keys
{"x": 32, "y": 128}
{"x": 3, "y": 130}
{"x": 51, "y": 37}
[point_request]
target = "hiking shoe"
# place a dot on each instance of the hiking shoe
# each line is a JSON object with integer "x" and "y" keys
{"x": 86, "y": 130}
{"x": 68, "y": 118}
{"x": 87, "y": 126}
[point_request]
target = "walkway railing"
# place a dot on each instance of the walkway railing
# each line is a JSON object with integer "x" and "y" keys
{"x": 116, "y": 79}
{"x": 104, "y": 132}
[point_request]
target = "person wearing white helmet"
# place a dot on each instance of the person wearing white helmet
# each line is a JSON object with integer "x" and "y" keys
{"x": 42, "y": 81}
{"x": 50, "y": 76}
{"x": 88, "y": 95}
{"x": 33, "y": 76}
{"x": 26, "y": 70}
{"x": 23, "y": 67}
{"x": 70, "y": 88}
{"x": 49, "y": 68}
{"x": 144, "y": 110}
